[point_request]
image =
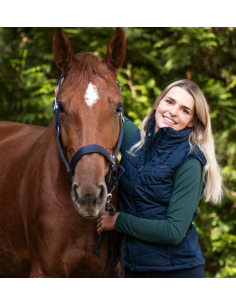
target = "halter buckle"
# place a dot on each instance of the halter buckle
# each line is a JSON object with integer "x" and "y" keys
{"x": 109, "y": 197}
{"x": 123, "y": 120}
{"x": 55, "y": 105}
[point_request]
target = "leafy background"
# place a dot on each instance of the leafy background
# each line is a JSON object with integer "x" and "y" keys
{"x": 155, "y": 56}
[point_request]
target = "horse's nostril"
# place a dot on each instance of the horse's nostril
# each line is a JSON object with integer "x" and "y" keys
{"x": 74, "y": 192}
{"x": 102, "y": 194}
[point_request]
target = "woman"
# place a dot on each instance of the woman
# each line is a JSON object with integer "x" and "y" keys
{"x": 169, "y": 164}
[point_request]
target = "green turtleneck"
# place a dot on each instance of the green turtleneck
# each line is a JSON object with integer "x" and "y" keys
{"x": 183, "y": 203}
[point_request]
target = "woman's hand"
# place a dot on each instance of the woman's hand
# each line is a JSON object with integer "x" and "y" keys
{"x": 106, "y": 222}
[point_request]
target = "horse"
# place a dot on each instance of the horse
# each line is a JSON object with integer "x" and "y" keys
{"x": 47, "y": 218}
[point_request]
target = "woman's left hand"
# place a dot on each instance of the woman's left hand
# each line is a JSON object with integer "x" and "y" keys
{"x": 106, "y": 222}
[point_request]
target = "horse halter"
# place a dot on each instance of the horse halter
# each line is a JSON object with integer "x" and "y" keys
{"x": 113, "y": 174}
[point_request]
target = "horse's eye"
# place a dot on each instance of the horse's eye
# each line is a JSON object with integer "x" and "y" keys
{"x": 61, "y": 108}
{"x": 119, "y": 109}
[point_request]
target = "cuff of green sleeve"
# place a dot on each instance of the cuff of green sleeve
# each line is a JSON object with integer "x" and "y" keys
{"x": 119, "y": 220}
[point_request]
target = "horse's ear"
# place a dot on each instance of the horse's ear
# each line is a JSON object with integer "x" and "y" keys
{"x": 116, "y": 50}
{"x": 62, "y": 50}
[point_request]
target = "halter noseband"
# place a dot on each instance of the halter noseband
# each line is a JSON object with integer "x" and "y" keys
{"x": 114, "y": 173}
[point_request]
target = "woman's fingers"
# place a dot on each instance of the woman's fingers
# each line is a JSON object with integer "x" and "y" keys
{"x": 106, "y": 223}
{"x": 99, "y": 222}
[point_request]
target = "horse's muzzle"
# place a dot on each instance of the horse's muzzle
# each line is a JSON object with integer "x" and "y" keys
{"x": 89, "y": 201}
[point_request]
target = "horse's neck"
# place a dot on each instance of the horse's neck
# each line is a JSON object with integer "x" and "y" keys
{"x": 48, "y": 140}
{"x": 49, "y": 156}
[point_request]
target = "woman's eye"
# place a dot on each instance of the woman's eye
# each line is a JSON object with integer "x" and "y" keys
{"x": 61, "y": 108}
{"x": 169, "y": 102}
{"x": 185, "y": 111}
{"x": 119, "y": 109}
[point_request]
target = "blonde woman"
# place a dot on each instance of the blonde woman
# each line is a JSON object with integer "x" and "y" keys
{"x": 169, "y": 164}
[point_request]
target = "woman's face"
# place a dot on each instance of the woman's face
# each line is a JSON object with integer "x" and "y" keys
{"x": 175, "y": 110}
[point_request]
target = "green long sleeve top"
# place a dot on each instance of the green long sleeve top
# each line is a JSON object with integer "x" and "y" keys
{"x": 183, "y": 203}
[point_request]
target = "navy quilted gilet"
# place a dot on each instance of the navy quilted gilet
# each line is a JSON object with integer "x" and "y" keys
{"x": 145, "y": 191}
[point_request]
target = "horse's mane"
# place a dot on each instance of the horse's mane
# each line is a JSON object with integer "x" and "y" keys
{"x": 84, "y": 68}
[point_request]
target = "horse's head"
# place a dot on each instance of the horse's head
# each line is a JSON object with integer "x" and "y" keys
{"x": 89, "y": 103}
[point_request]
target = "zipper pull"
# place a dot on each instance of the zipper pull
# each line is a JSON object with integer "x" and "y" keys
{"x": 141, "y": 168}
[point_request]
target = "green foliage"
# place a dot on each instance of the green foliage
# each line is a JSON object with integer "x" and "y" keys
{"x": 27, "y": 88}
{"x": 155, "y": 56}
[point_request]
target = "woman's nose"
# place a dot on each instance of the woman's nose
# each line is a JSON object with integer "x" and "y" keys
{"x": 173, "y": 111}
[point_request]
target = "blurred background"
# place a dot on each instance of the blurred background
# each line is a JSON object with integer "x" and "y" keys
{"x": 155, "y": 56}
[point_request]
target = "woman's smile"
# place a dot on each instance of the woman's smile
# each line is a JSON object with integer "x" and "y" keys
{"x": 168, "y": 121}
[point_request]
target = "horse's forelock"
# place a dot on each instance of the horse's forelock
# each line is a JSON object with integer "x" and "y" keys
{"x": 84, "y": 68}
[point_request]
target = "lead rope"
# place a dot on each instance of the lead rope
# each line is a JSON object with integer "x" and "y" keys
{"x": 99, "y": 244}
{"x": 96, "y": 249}
{"x": 122, "y": 256}
{"x": 111, "y": 250}
{"x": 112, "y": 254}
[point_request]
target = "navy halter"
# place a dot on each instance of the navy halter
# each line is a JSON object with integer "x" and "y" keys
{"x": 114, "y": 173}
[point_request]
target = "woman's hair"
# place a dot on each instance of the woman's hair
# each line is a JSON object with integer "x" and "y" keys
{"x": 201, "y": 135}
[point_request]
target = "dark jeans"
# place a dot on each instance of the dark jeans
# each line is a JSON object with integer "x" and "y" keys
{"x": 196, "y": 272}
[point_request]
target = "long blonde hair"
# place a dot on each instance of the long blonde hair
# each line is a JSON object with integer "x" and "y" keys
{"x": 201, "y": 135}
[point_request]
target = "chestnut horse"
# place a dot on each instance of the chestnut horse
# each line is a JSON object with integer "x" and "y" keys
{"x": 44, "y": 225}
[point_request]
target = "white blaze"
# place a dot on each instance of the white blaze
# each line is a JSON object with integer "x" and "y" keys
{"x": 91, "y": 95}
